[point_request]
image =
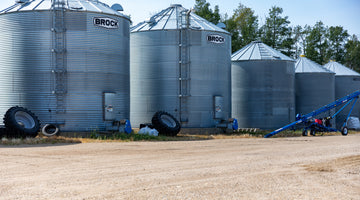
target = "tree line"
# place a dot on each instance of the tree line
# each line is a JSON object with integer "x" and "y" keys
{"x": 319, "y": 43}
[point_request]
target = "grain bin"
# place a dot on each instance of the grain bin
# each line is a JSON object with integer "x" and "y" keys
{"x": 67, "y": 61}
{"x": 347, "y": 81}
{"x": 180, "y": 63}
{"x": 262, "y": 81}
{"x": 314, "y": 87}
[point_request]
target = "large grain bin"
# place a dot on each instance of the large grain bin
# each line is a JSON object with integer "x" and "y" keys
{"x": 263, "y": 93}
{"x": 347, "y": 81}
{"x": 180, "y": 63}
{"x": 67, "y": 61}
{"x": 314, "y": 87}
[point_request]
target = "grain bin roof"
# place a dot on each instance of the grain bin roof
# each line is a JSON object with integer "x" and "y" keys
{"x": 340, "y": 70}
{"x": 304, "y": 65}
{"x": 259, "y": 51}
{"x": 172, "y": 17}
{"x": 76, "y": 5}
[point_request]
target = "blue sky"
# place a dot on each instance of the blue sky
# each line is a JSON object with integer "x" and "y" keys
{"x": 344, "y": 13}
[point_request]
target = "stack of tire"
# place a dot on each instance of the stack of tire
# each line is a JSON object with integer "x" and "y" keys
{"x": 20, "y": 123}
{"x": 166, "y": 124}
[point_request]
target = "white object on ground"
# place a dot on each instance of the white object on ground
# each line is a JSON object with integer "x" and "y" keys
{"x": 149, "y": 131}
{"x": 353, "y": 123}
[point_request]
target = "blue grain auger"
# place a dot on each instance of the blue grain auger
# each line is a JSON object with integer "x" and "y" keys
{"x": 307, "y": 121}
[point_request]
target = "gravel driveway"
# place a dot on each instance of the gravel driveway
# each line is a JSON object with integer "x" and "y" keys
{"x": 326, "y": 167}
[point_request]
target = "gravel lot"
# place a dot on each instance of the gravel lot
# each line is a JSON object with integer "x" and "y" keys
{"x": 326, "y": 167}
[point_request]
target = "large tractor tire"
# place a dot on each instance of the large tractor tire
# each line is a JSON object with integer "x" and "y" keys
{"x": 166, "y": 124}
{"x": 20, "y": 122}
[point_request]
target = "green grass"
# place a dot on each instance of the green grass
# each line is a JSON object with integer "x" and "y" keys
{"x": 38, "y": 140}
{"x": 128, "y": 137}
{"x": 96, "y": 137}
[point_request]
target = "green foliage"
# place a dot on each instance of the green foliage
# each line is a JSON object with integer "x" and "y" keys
{"x": 317, "y": 43}
{"x": 231, "y": 27}
{"x": 352, "y": 53}
{"x": 202, "y": 8}
{"x": 337, "y": 37}
{"x": 243, "y": 26}
{"x": 276, "y": 31}
{"x": 299, "y": 37}
{"x": 128, "y": 137}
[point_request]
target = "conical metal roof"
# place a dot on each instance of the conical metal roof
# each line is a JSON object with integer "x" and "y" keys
{"x": 76, "y": 5}
{"x": 340, "y": 70}
{"x": 259, "y": 51}
{"x": 174, "y": 18}
{"x": 305, "y": 65}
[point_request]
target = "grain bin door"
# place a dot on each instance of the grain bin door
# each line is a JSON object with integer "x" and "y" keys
{"x": 218, "y": 107}
{"x": 109, "y": 100}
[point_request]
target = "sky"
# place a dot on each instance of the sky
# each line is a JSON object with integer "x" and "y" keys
{"x": 345, "y": 13}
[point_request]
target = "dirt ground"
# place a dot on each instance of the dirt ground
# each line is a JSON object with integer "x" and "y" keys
{"x": 322, "y": 167}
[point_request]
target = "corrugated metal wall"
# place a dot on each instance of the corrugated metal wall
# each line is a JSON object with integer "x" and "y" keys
{"x": 314, "y": 90}
{"x": 97, "y": 62}
{"x": 345, "y": 85}
{"x": 263, "y": 93}
{"x": 155, "y": 76}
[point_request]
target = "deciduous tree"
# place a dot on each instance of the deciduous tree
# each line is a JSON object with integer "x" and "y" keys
{"x": 352, "y": 53}
{"x": 202, "y": 8}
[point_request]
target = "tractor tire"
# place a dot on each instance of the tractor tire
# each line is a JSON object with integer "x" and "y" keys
{"x": 20, "y": 123}
{"x": 146, "y": 125}
{"x": 2, "y": 132}
{"x": 166, "y": 124}
{"x": 50, "y": 130}
{"x": 344, "y": 131}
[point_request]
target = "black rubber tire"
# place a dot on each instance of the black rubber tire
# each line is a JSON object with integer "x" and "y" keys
{"x": 20, "y": 123}
{"x": 344, "y": 131}
{"x": 2, "y": 132}
{"x": 50, "y": 130}
{"x": 166, "y": 124}
{"x": 146, "y": 124}
{"x": 305, "y": 133}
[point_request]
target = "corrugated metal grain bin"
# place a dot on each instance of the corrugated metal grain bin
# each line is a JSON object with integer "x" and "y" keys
{"x": 67, "y": 61}
{"x": 315, "y": 87}
{"x": 180, "y": 63}
{"x": 347, "y": 81}
{"x": 263, "y": 94}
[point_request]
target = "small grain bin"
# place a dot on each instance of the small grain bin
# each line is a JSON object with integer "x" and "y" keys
{"x": 315, "y": 87}
{"x": 262, "y": 81}
{"x": 180, "y": 63}
{"x": 347, "y": 81}
{"x": 67, "y": 61}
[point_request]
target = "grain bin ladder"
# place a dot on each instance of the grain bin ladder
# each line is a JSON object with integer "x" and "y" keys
{"x": 305, "y": 119}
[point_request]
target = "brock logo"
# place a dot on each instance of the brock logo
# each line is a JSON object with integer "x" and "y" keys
{"x": 106, "y": 22}
{"x": 218, "y": 39}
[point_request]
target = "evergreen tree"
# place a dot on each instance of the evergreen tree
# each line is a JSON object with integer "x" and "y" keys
{"x": 317, "y": 44}
{"x": 337, "y": 37}
{"x": 276, "y": 31}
